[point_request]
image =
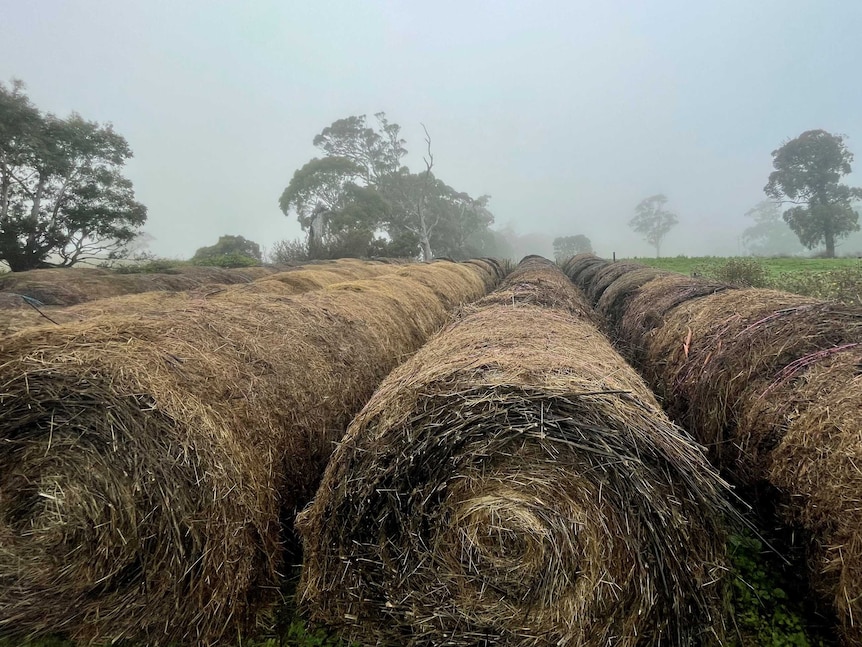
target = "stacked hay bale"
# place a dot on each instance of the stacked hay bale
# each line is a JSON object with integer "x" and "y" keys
{"x": 515, "y": 483}
{"x": 149, "y": 462}
{"x": 771, "y": 382}
{"x": 20, "y": 314}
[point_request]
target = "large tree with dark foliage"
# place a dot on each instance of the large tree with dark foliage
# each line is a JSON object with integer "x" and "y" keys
{"x": 63, "y": 198}
{"x": 359, "y": 199}
{"x": 808, "y": 172}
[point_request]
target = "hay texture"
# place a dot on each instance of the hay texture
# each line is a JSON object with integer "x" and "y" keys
{"x": 614, "y": 300}
{"x": 20, "y": 314}
{"x": 69, "y": 286}
{"x": 604, "y": 277}
{"x": 648, "y": 308}
{"x": 575, "y": 266}
{"x": 771, "y": 382}
{"x": 515, "y": 483}
{"x": 148, "y": 463}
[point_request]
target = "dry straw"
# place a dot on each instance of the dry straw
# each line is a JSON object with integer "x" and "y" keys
{"x": 575, "y": 266}
{"x": 149, "y": 462}
{"x": 772, "y": 383}
{"x": 515, "y": 483}
{"x": 604, "y": 276}
{"x": 69, "y": 286}
{"x": 294, "y": 281}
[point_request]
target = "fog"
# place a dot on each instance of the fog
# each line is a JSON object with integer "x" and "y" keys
{"x": 566, "y": 113}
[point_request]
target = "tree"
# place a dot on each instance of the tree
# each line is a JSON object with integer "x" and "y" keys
{"x": 229, "y": 246}
{"x": 769, "y": 235}
{"x": 62, "y": 192}
{"x": 566, "y": 246}
{"x": 653, "y": 221}
{"x": 808, "y": 171}
{"x": 360, "y": 200}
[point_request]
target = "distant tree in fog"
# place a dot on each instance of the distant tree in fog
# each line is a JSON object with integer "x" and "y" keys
{"x": 808, "y": 171}
{"x": 566, "y": 246}
{"x": 63, "y": 197}
{"x": 769, "y": 235}
{"x": 653, "y": 221}
{"x": 359, "y": 200}
{"x": 236, "y": 246}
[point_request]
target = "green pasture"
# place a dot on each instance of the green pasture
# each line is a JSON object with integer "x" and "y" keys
{"x": 773, "y": 266}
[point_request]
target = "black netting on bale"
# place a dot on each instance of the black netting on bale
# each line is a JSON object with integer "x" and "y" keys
{"x": 515, "y": 483}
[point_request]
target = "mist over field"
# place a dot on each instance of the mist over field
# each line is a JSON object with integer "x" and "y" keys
{"x": 567, "y": 114}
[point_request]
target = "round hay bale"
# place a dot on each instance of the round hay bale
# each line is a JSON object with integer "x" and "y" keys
{"x": 606, "y": 275}
{"x": 577, "y": 265}
{"x": 434, "y": 276}
{"x": 648, "y": 307}
{"x": 70, "y": 286}
{"x": 614, "y": 300}
{"x": 538, "y": 282}
{"x": 492, "y": 268}
{"x": 770, "y": 382}
{"x": 148, "y": 464}
{"x": 515, "y": 483}
{"x": 816, "y": 466}
{"x": 157, "y": 302}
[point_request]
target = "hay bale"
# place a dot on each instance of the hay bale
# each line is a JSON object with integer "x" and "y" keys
{"x": 770, "y": 382}
{"x": 490, "y": 265}
{"x": 605, "y": 276}
{"x": 297, "y": 281}
{"x": 515, "y": 483}
{"x": 647, "y": 309}
{"x": 577, "y": 265}
{"x": 147, "y": 463}
{"x": 70, "y": 286}
{"x": 614, "y": 300}
{"x": 816, "y": 464}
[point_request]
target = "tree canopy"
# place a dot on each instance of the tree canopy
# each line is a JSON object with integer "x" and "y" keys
{"x": 63, "y": 198}
{"x": 360, "y": 200}
{"x": 229, "y": 246}
{"x": 769, "y": 235}
{"x": 566, "y": 246}
{"x": 808, "y": 172}
{"x": 653, "y": 221}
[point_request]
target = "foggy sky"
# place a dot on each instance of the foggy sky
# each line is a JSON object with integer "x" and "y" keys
{"x": 566, "y": 113}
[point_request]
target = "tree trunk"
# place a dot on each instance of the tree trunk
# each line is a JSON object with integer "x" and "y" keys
{"x": 658, "y": 250}
{"x": 830, "y": 244}
{"x": 424, "y": 237}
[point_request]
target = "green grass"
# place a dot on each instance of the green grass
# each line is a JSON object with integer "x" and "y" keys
{"x": 773, "y": 266}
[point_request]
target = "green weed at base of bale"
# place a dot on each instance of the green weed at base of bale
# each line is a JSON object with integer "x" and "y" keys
{"x": 765, "y": 613}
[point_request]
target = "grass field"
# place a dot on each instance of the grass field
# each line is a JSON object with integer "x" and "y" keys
{"x": 773, "y": 266}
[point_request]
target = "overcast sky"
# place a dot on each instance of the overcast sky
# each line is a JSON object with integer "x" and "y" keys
{"x": 566, "y": 113}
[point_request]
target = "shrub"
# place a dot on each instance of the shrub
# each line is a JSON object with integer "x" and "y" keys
{"x": 227, "y": 261}
{"x": 285, "y": 252}
{"x": 844, "y": 285}
{"x": 745, "y": 272}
